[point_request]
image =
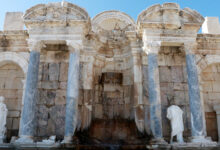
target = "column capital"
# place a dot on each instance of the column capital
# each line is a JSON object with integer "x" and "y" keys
{"x": 74, "y": 46}
{"x": 152, "y": 47}
{"x": 35, "y": 45}
{"x": 190, "y": 47}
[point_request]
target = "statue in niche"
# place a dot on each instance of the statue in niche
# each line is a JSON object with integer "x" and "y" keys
{"x": 175, "y": 115}
{"x": 3, "y": 117}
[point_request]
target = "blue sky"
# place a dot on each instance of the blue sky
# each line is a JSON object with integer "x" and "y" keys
{"x": 131, "y": 7}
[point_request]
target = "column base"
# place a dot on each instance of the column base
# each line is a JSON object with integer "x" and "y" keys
{"x": 67, "y": 140}
{"x": 2, "y": 138}
{"x": 202, "y": 139}
{"x": 158, "y": 141}
{"x": 24, "y": 140}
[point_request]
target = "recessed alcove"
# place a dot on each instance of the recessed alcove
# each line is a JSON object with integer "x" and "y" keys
{"x": 11, "y": 88}
{"x": 173, "y": 85}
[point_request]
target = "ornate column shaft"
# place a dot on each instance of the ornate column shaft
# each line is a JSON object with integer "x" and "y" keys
{"x": 152, "y": 50}
{"x": 72, "y": 94}
{"x": 28, "y": 122}
{"x": 197, "y": 123}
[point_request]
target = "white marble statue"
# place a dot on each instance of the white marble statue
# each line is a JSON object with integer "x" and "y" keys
{"x": 3, "y": 117}
{"x": 175, "y": 115}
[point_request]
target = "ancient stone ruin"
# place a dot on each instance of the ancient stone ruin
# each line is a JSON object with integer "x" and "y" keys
{"x": 70, "y": 81}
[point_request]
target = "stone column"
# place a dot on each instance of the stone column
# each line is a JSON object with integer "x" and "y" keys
{"x": 217, "y": 109}
{"x": 138, "y": 82}
{"x": 138, "y": 90}
{"x": 197, "y": 124}
{"x": 72, "y": 95}
{"x": 152, "y": 50}
{"x": 28, "y": 122}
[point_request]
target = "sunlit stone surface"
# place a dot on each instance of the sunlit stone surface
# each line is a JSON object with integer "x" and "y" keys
{"x": 108, "y": 80}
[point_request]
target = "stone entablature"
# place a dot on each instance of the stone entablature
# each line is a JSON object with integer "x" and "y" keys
{"x": 84, "y": 70}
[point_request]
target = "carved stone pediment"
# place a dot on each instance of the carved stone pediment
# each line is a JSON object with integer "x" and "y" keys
{"x": 169, "y": 16}
{"x": 55, "y": 14}
{"x": 111, "y": 20}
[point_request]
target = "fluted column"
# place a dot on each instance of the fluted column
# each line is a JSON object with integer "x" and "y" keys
{"x": 197, "y": 123}
{"x": 28, "y": 117}
{"x": 152, "y": 50}
{"x": 72, "y": 93}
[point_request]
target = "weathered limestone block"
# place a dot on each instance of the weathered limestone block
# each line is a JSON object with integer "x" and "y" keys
{"x": 9, "y": 94}
{"x": 60, "y": 97}
{"x": 177, "y": 73}
{"x": 9, "y": 123}
{"x": 15, "y": 125}
{"x": 13, "y": 104}
{"x": 54, "y": 71}
{"x": 216, "y": 86}
{"x": 14, "y": 114}
{"x": 49, "y": 85}
{"x": 47, "y": 97}
{"x": 127, "y": 111}
{"x": 50, "y": 100}
{"x": 40, "y": 74}
{"x": 165, "y": 74}
{"x": 45, "y": 72}
{"x": 63, "y": 71}
{"x": 166, "y": 90}
{"x": 62, "y": 85}
{"x": 43, "y": 112}
{"x": 60, "y": 129}
{"x": 98, "y": 111}
{"x": 180, "y": 98}
{"x": 13, "y": 21}
{"x": 87, "y": 75}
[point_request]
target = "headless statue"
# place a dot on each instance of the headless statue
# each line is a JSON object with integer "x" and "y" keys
{"x": 3, "y": 117}
{"x": 175, "y": 115}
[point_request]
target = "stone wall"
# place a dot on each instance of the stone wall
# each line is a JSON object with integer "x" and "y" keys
{"x": 110, "y": 95}
{"x": 210, "y": 82}
{"x": 53, "y": 72}
{"x": 173, "y": 86}
{"x": 11, "y": 87}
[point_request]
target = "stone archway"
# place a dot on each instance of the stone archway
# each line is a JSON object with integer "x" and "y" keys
{"x": 15, "y": 58}
{"x": 13, "y": 69}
